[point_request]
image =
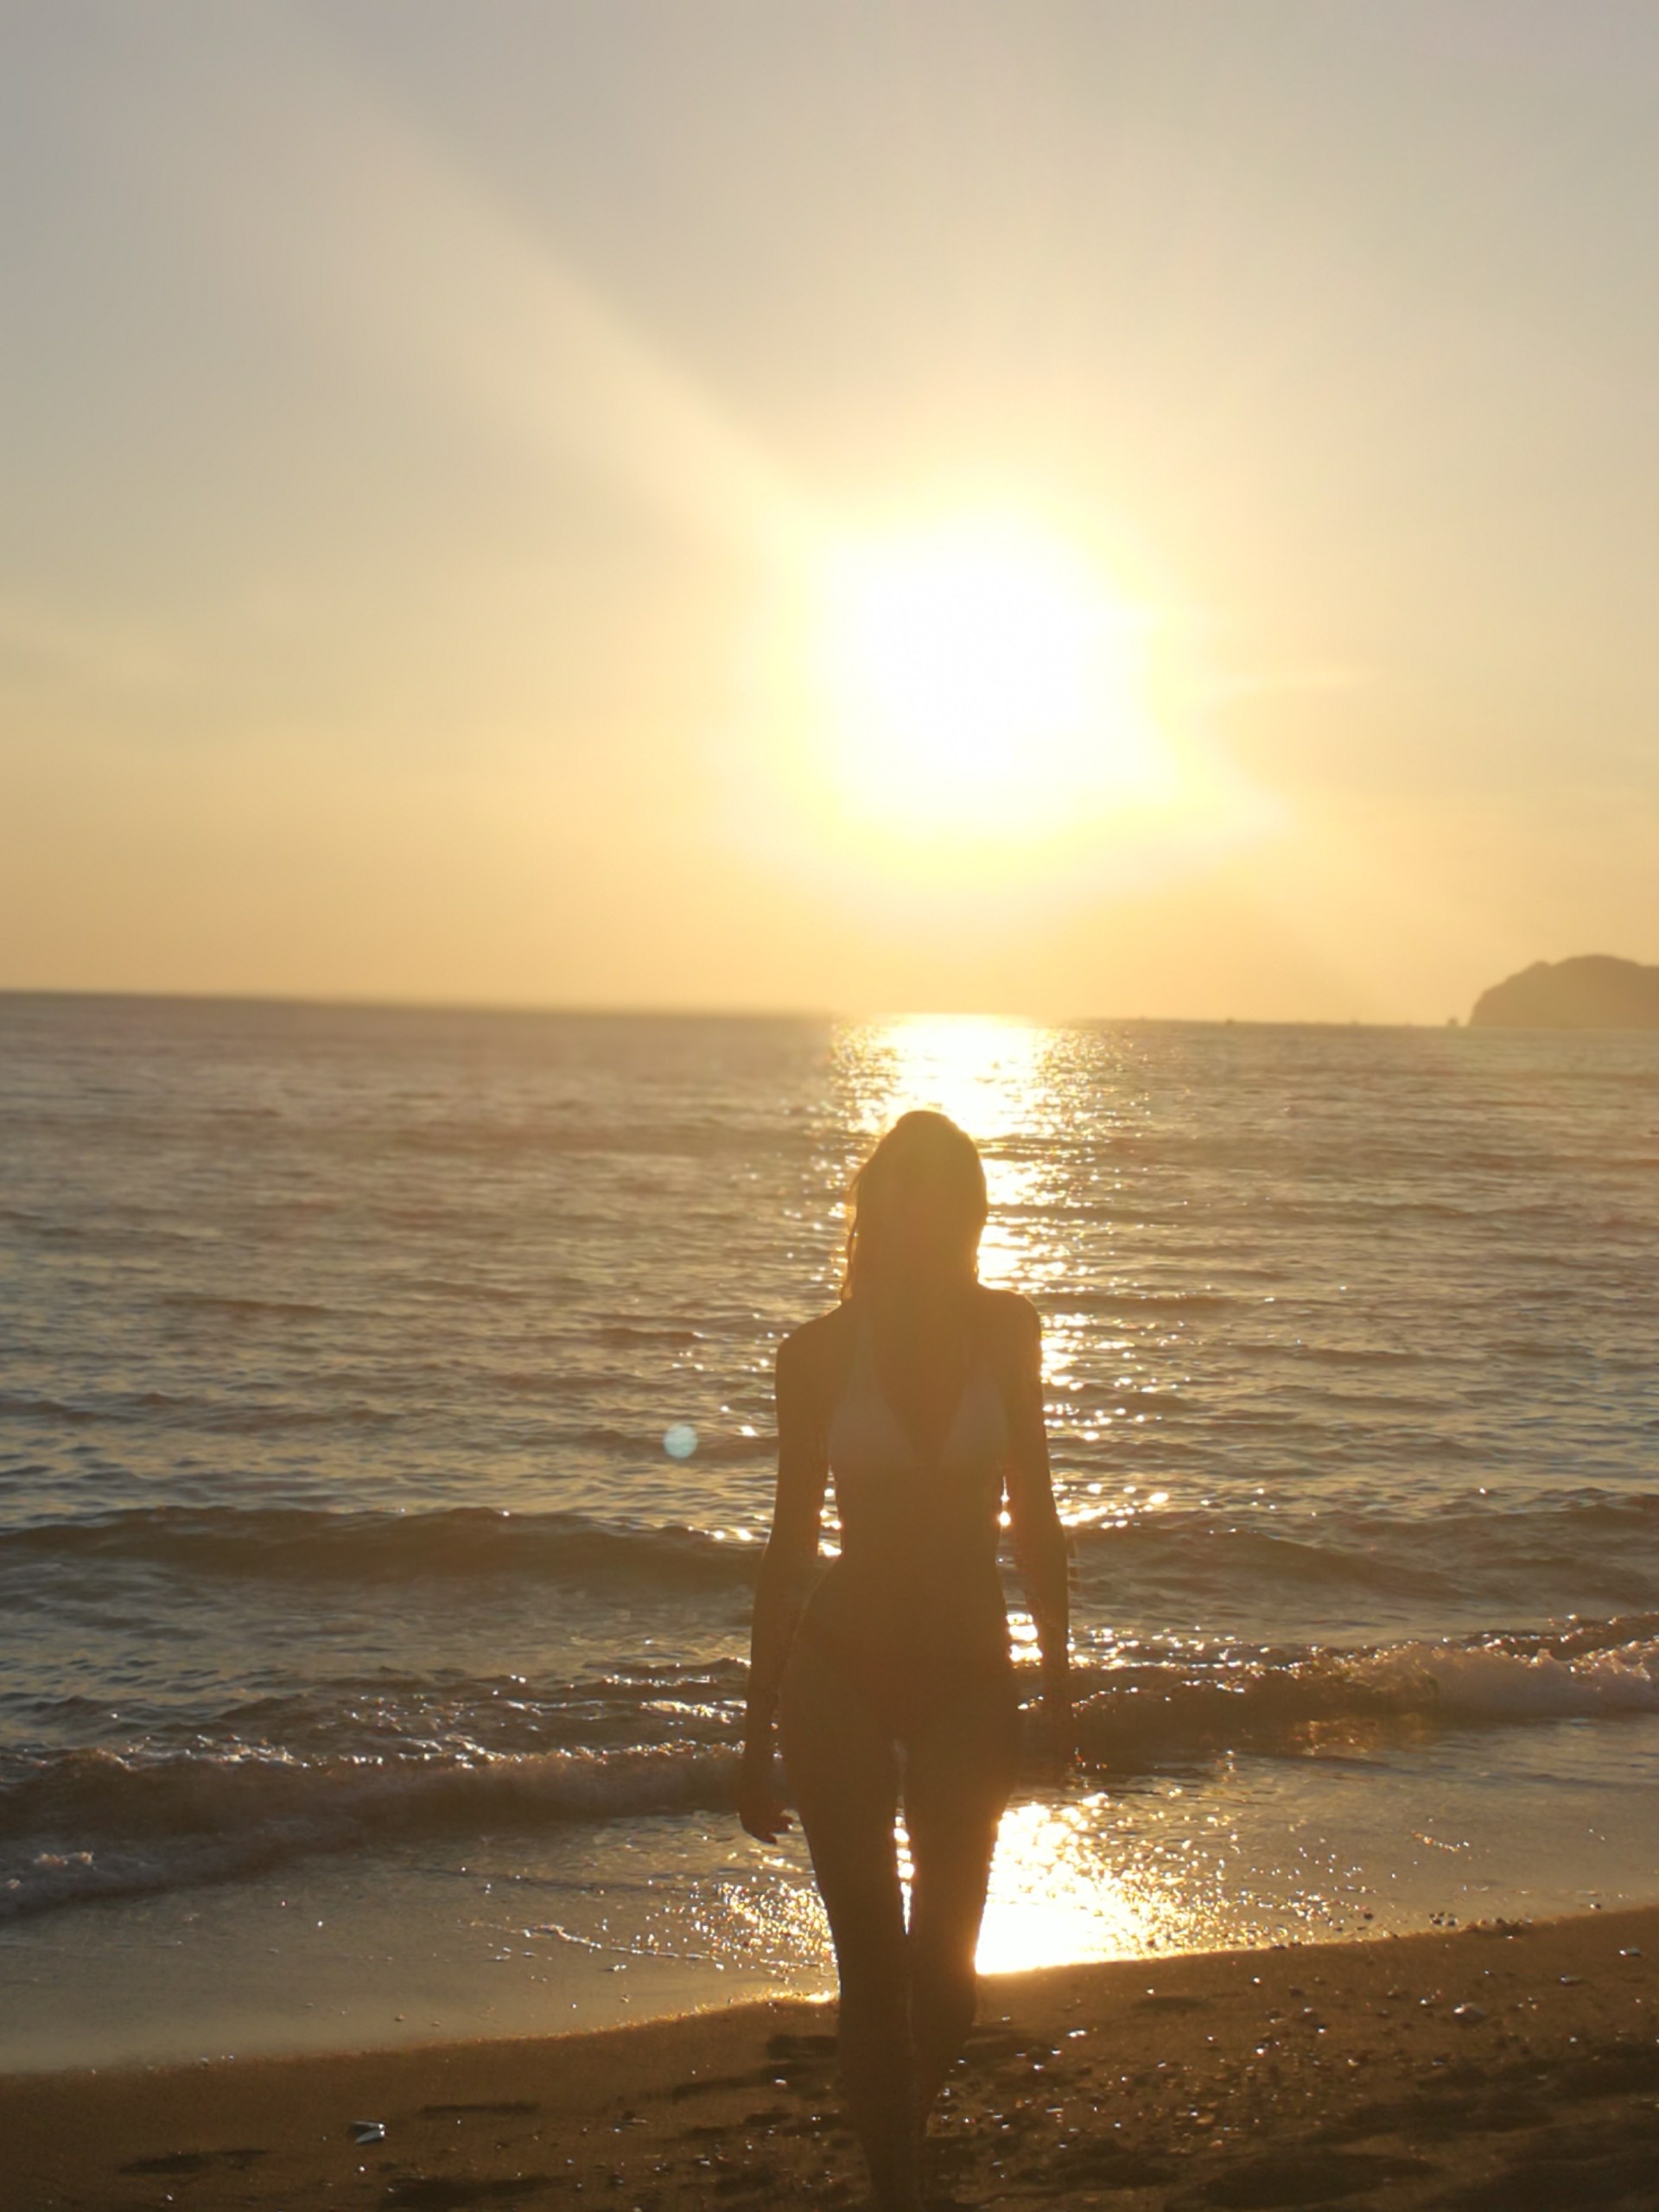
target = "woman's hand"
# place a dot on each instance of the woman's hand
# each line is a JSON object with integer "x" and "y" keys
{"x": 760, "y": 1808}
{"x": 1054, "y": 1731}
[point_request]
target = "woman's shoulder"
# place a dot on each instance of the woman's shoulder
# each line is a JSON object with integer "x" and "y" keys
{"x": 1009, "y": 1316}
{"x": 817, "y": 1345}
{"x": 1011, "y": 1332}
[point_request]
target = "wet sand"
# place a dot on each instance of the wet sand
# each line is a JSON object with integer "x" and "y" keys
{"x": 1504, "y": 2067}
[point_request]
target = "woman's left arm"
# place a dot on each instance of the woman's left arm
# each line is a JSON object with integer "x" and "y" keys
{"x": 1040, "y": 1544}
{"x": 783, "y": 1583}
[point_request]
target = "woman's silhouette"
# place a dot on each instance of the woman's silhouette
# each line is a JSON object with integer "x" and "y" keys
{"x": 921, "y": 1394}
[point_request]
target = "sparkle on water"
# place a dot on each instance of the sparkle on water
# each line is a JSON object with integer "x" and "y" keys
{"x": 993, "y": 1077}
{"x": 1053, "y": 1902}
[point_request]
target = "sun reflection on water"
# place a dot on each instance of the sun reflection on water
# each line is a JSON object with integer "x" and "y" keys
{"x": 1057, "y": 1898}
{"x": 982, "y": 1071}
{"x": 1098, "y": 1874}
{"x": 1055, "y": 1901}
{"x": 1015, "y": 1087}
{"x": 1058, "y": 1894}
{"x": 992, "y": 1076}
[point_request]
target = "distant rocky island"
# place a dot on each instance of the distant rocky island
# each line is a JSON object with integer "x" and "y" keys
{"x": 1593, "y": 991}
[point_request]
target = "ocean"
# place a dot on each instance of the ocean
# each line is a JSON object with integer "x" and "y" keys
{"x": 385, "y": 1455}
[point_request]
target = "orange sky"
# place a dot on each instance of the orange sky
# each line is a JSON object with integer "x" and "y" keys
{"x": 426, "y": 433}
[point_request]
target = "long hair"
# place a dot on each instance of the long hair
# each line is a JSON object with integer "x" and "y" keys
{"x": 922, "y": 1151}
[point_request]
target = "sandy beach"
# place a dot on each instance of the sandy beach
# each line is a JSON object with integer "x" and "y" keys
{"x": 1505, "y": 2067}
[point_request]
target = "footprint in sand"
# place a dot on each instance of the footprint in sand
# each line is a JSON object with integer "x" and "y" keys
{"x": 180, "y": 2162}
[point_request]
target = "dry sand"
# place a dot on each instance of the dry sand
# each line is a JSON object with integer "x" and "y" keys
{"x": 1341, "y": 2074}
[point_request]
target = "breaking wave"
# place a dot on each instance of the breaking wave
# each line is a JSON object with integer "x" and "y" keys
{"x": 98, "y": 1822}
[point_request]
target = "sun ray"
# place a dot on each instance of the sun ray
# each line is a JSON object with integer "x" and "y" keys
{"x": 375, "y": 232}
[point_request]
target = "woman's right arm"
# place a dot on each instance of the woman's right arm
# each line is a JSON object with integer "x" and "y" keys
{"x": 1039, "y": 1542}
{"x": 784, "y": 1582}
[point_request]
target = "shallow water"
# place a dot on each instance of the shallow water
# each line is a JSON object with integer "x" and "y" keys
{"x": 338, "y": 1535}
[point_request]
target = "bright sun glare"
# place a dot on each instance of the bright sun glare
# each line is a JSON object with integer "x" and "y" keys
{"x": 984, "y": 676}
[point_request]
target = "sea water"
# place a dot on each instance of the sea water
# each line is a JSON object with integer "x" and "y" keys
{"x": 385, "y": 1453}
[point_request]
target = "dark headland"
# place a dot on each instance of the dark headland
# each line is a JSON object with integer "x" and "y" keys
{"x": 1594, "y": 991}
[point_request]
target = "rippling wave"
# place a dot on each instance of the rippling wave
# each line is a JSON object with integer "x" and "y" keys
{"x": 1511, "y": 1548}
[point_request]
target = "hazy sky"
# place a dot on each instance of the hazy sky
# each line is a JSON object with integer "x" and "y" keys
{"x": 420, "y": 426}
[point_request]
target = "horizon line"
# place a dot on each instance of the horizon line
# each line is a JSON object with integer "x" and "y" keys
{"x": 646, "y": 1011}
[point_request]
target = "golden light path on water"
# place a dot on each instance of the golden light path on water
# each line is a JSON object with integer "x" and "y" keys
{"x": 1005, "y": 1081}
{"x": 1053, "y": 1901}
{"x": 986, "y": 1074}
{"x": 1075, "y": 1879}
{"x": 1054, "y": 1896}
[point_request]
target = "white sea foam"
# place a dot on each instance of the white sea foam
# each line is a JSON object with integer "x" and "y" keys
{"x": 1489, "y": 1683}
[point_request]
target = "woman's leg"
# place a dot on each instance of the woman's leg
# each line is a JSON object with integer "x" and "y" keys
{"x": 959, "y": 1769}
{"x": 843, "y": 1775}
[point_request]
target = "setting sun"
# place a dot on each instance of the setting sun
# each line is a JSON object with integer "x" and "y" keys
{"x": 983, "y": 675}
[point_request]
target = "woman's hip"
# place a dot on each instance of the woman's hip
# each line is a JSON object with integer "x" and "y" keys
{"x": 899, "y": 1685}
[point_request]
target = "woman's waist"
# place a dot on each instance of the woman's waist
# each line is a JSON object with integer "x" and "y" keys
{"x": 953, "y": 1557}
{"x": 880, "y": 1605}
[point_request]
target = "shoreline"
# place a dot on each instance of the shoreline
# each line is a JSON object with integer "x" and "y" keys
{"x": 1317, "y": 2071}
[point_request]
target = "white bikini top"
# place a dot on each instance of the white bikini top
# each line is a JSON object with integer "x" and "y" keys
{"x": 870, "y": 1451}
